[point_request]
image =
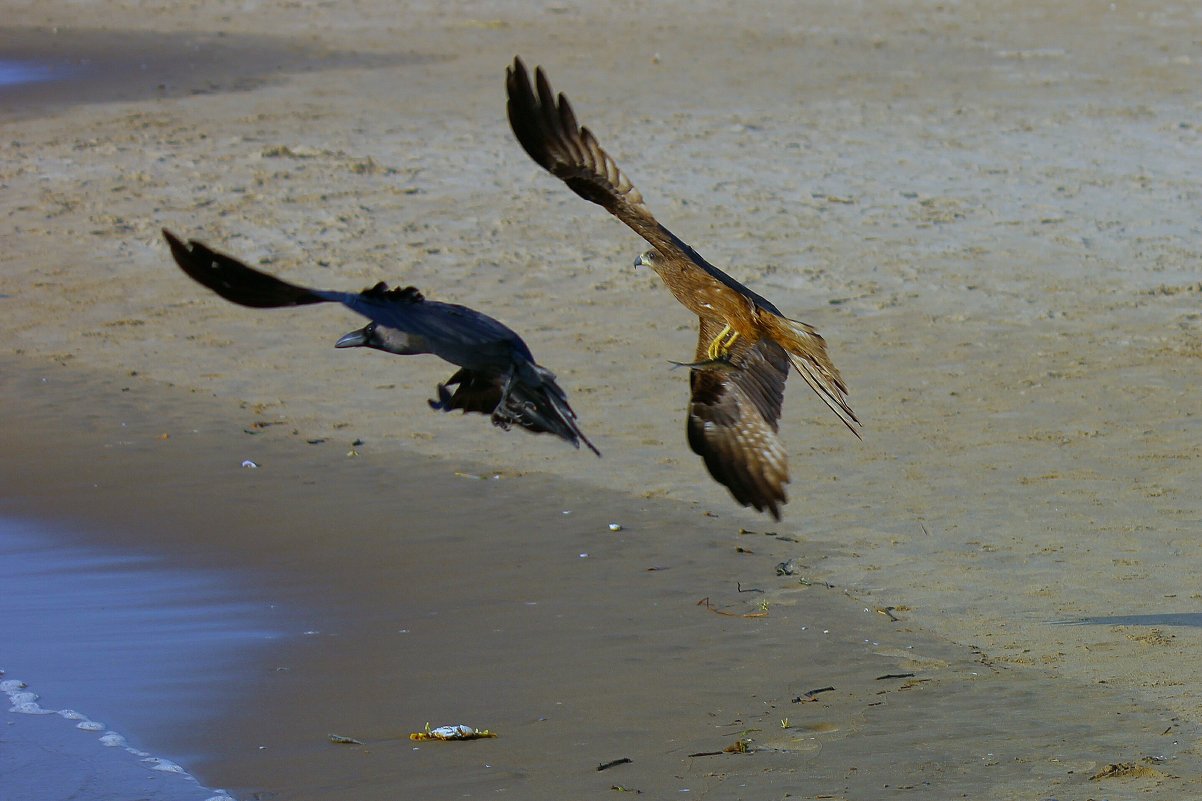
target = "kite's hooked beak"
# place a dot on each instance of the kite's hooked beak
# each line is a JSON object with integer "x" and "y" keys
{"x": 355, "y": 339}
{"x": 644, "y": 260}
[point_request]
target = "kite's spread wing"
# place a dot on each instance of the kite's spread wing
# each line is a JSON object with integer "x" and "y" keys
{"x": 734, "y": 413}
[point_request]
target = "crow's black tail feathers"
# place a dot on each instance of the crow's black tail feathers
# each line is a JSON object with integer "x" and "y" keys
{"x": 541, "y": 409}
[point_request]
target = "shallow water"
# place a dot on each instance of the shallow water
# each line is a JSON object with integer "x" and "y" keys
{"x": 100, "y": 650}
{"x": 1164, "y": 619}
{"x": 16, "y": 73}
{"x": 42, "y": 69}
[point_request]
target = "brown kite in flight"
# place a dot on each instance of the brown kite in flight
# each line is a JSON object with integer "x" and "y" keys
{"x": 746, "y": 345}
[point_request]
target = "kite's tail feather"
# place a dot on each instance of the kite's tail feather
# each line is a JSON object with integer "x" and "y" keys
{"x": 807, "y": 352}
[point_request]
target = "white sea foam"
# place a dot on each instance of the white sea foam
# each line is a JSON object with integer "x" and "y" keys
{"x": 165, "y": 765}
{"x": 25, "y": 701}
{"x": 29, "y": 708}
{"x": 113, "y": 740}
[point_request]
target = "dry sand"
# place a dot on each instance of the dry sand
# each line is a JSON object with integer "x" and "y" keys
{"x": 989, "y": 209}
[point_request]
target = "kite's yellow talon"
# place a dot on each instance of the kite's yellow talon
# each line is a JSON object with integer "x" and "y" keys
{"x": 719, "y": 348}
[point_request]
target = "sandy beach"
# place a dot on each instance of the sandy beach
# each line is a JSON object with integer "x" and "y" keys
{"x": 989, "y": 211}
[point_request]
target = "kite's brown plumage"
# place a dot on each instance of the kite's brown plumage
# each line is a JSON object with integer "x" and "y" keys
{"x": 736, "y": 398}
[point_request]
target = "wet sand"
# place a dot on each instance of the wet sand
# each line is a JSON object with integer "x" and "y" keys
{"x": 988, "y": 210}
{"x": 398, "y": 592}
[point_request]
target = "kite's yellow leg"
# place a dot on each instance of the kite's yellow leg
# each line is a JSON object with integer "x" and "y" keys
{"x": 719, "y": 348}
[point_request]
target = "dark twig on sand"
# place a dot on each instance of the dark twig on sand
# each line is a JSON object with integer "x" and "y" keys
{"x": 622, "y": 761}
